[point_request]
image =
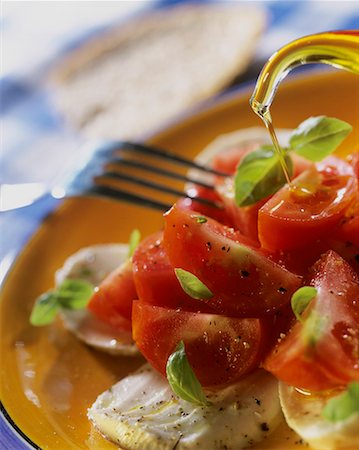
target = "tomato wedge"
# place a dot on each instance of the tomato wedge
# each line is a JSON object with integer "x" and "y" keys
{"x": 322, "y": 352}
{"x": 244, "y": 218}
{"x": 295, "y": 219}
{"x": 192, "y": 204}
{"x": 155, "y": 279}
{"x": 220, "y": 349}
{"x": 245, "y": 283}
{"x": 350, "y": 231}
{"x": 112, "y": 300}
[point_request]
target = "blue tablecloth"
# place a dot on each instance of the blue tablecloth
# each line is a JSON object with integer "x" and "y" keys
{"x": 37, "y": 33}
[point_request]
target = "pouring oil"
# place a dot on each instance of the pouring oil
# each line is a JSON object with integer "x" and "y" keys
{"x": 339, "y": 49}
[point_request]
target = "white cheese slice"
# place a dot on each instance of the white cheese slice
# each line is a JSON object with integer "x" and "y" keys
{"x": 141, "y": 413}
{"x": 93, "y": 264}
{"x": 303, "y": 414}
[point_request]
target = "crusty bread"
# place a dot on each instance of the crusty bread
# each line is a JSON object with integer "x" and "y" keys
{"x": 134, "y": 78}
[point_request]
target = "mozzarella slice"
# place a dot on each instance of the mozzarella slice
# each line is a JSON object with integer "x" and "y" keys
{"x": 93, "y": 264}
{"x": 251, "y": 137}
{"x": 141, "y": 413}
{"x": 303, "y": 414}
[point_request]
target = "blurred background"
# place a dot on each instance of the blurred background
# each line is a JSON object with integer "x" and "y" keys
{"x": 75, "y": 71}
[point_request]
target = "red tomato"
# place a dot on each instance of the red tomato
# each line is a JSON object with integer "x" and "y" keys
{"x": 350, "y": 230}
{"x": 244, "y": 218}
{"x": 112, "y": 300}
{"x": 220, "y": 349}
{"x": 328, "y": 356}
{"x": 354, "y": 162}
{"x": 245, "y": 283}
{"x": 228, "y": 159}
{"x": 155, "y": 279}
{"x": 219, "y": 213}
{"x": 300, "y": 164}
{"x": 295, "y": 219}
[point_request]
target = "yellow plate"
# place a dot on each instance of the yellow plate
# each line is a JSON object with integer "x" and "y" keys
{"x": 48, "y": 378}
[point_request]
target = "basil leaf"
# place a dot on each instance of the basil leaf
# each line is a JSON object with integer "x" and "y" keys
{"x": 45, "y": 309}
{"x": 313, "y": 327}
{"x": 301, "y": 299}
{"x": 200, "y": 219}
{"x": 182, "y": 379}
{"x": 74, "y": 294}
{"x": 259, "y": 175}
{"x": 135, "y": 238}
{"x": 192, "y": 285}
{"x": 318, "y": 137}
{"x": 344, "y": 405}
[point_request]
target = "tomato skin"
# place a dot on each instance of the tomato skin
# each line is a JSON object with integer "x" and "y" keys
{"x": 332, "y": 360}
{"x": 245, "y": 218}
{"x": 190, "y": 204}
{"x": 290, "y": 221}
{"x": 227, "y": 160}
{"x": 112, "y": 300}
{"x": 349, "y": 231}
{"x": 220, "y": 349}
{"x": 245, "y": 283}
{"x": 155, "y": 279}
{"x": 354, "y": 161}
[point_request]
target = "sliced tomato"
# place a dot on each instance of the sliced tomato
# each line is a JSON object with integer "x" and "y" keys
{"x": 300, "y": 164}
{"x": 245, "y": 218}
{"x": 155, "y": 279}
{"x": 220, "y": 349}
{"x": 294, "y": 219}
{"x": 228, "y": 159}
{"x": 349, "y": 231}
{"x": 244, "y": 282}
{"x": 353, "y": 160}
{"x": 219, "y": 213}
{"x": 112, "y": 300}
{"x": 322, "y": 351}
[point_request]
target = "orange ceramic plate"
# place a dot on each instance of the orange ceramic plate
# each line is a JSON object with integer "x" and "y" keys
{"x": 48, "y": 378}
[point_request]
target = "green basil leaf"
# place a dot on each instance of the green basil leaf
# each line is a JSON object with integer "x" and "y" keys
{"x": 318, "y": 137}
{"x": 259, "y": 175}
{"x": 45, "y": 309}
{"x": 344, "y": 405}
{"x": 200, "y": 219}
{"x": 301, "y": 299}
{"x": 182, "y": 379}
{"x": 313, "y": 327}
{"x": 74, "y": 294}
{"x": 135, "y": 238}
{"x": 192, "y": 285}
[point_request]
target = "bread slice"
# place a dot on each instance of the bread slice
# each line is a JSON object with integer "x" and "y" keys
{"x": 132, "y": 79}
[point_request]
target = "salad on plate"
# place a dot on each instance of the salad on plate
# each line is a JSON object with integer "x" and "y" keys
{"x": 247, "y": 313}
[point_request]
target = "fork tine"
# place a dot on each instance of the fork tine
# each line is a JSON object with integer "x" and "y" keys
{"x": 158, "y": 170}
{"x": 153, "y": 185}
{"x": 123, "y": 195}
{"x": 96, "y": 174}
{"x": 165, "y": 154}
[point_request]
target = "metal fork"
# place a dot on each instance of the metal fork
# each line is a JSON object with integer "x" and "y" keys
{"x": 107, "y": 167}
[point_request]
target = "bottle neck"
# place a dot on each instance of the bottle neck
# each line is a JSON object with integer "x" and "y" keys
{"x": 337, "y": 49}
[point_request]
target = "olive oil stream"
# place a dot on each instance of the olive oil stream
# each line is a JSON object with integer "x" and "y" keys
{"x": 339, "y": 49}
